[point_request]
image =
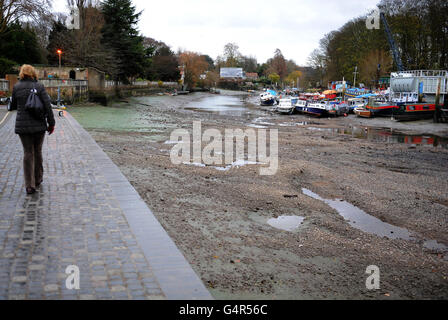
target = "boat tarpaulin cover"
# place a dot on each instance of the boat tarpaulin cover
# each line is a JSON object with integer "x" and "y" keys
{"x": 368, "y": 95}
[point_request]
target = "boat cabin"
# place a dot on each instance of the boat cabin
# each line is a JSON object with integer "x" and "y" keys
{"x": 356, "y": 102}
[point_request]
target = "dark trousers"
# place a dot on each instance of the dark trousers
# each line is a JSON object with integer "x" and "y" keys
{"x": 33, "y": 169}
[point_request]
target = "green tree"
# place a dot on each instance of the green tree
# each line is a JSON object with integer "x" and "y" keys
{"x": 20, "y": 44}
{"x": 6, "y": 66}
{"x": 274, "y": 78}
{"x": 161, "y": 63}
{"x": 262, "y": 68}
{"x": 291, "y": 79}
{"x": 57, "y": 39}
{"x": 209, "y": 60}
{"x": 122, "y": 38}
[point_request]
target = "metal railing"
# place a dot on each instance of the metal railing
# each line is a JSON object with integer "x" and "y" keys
{"x": 4, "y": 85}
{"x": 54, "y": 83}
{"x": 420, "y": 73}
{"x": 144, "y": 83}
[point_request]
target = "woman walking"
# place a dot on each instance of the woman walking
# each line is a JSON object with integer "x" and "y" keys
{"x": 31, "y": 128}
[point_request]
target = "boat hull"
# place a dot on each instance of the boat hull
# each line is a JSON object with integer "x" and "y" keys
{"x": 300, "y": 105}
{"x": 363, "y": 113}
{"x": 285, "y": 110}
{"x": 382, "y": 111}
{"x": 299, "y": 109}
{"x": 314, "y": 111}
{"x": 410, "y": 112}
{"x": 268, "y": 102}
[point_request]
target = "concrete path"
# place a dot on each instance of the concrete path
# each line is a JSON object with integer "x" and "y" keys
{"x": 85, "y": 214}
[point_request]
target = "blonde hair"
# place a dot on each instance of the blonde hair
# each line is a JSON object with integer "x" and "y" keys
{"x": 27, "y": 71}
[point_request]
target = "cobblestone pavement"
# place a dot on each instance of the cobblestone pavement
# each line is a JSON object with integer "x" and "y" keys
{"x": 3, "y": 113}
{"x": 85, "y": 214}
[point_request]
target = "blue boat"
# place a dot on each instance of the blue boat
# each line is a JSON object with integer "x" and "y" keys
{"x": 355, "y": 92}
{"x": 300, "y": 105}
{"x": 316, "y": 109}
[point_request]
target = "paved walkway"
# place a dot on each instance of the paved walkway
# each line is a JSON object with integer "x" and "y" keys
{"x": 86, "y": 214}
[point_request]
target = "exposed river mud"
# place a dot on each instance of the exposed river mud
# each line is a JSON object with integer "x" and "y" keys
{"x": 252, "y": 236}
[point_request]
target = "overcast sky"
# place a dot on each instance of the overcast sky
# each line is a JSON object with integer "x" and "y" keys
{"x": 257, "y": 27}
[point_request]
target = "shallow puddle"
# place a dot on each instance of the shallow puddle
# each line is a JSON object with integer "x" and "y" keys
{"x": 235, "y": 164}
{"x": 222, "y": 105}
{"x": 363, "y": 221}
{"x": 386, "y": 135}
{"x": 287, "y": 223}
{"x": 434, "y": 245}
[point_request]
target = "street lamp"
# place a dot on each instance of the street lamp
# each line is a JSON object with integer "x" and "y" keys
{"x": 59, "y": 52}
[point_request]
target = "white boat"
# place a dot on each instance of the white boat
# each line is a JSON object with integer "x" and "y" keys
{"x": 267, "y": 98}
{"x": 287, "y": 105}
{"x": 354, "y": 103}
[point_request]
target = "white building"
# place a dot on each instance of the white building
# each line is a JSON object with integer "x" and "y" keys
{"x": 231, "y": 73}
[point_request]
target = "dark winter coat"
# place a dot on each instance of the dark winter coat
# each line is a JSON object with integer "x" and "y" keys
{"x": 25, "y": 122}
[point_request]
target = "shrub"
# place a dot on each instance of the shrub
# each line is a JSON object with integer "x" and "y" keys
{"x": 6, "y": 67}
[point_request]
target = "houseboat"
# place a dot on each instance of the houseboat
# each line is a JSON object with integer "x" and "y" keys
{"x": 415, "y": 92}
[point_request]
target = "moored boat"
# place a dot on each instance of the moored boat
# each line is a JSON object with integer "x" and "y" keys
{"x": 300, "y": 105}
{"x": 287, "y": 105}
{"x": 416, "y": 93}
{"x": 362, "y": 112}
{"x": 337, "y": 108}
{"x": 316, "y": 108}
{"x": 355, "y": 103}
{"x": 414, "y": 111}
{"x": 380, "y": 107}
{"x": 268, "y": 98}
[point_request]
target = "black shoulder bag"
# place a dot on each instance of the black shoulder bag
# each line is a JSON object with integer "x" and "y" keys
{"x": 34, "y": 105}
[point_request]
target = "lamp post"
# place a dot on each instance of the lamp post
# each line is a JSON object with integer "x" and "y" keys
{"x": 59, "y": 52}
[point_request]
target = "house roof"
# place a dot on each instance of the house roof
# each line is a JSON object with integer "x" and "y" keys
{"x": 251, "y": 74}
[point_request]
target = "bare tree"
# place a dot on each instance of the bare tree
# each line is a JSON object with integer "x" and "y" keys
{"x": 232, "y": 55}
{"x": 14, "y": 10}
{"x": 83, "y": 47}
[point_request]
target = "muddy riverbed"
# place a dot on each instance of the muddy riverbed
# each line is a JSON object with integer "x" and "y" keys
{"x": 348, "y": 193}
